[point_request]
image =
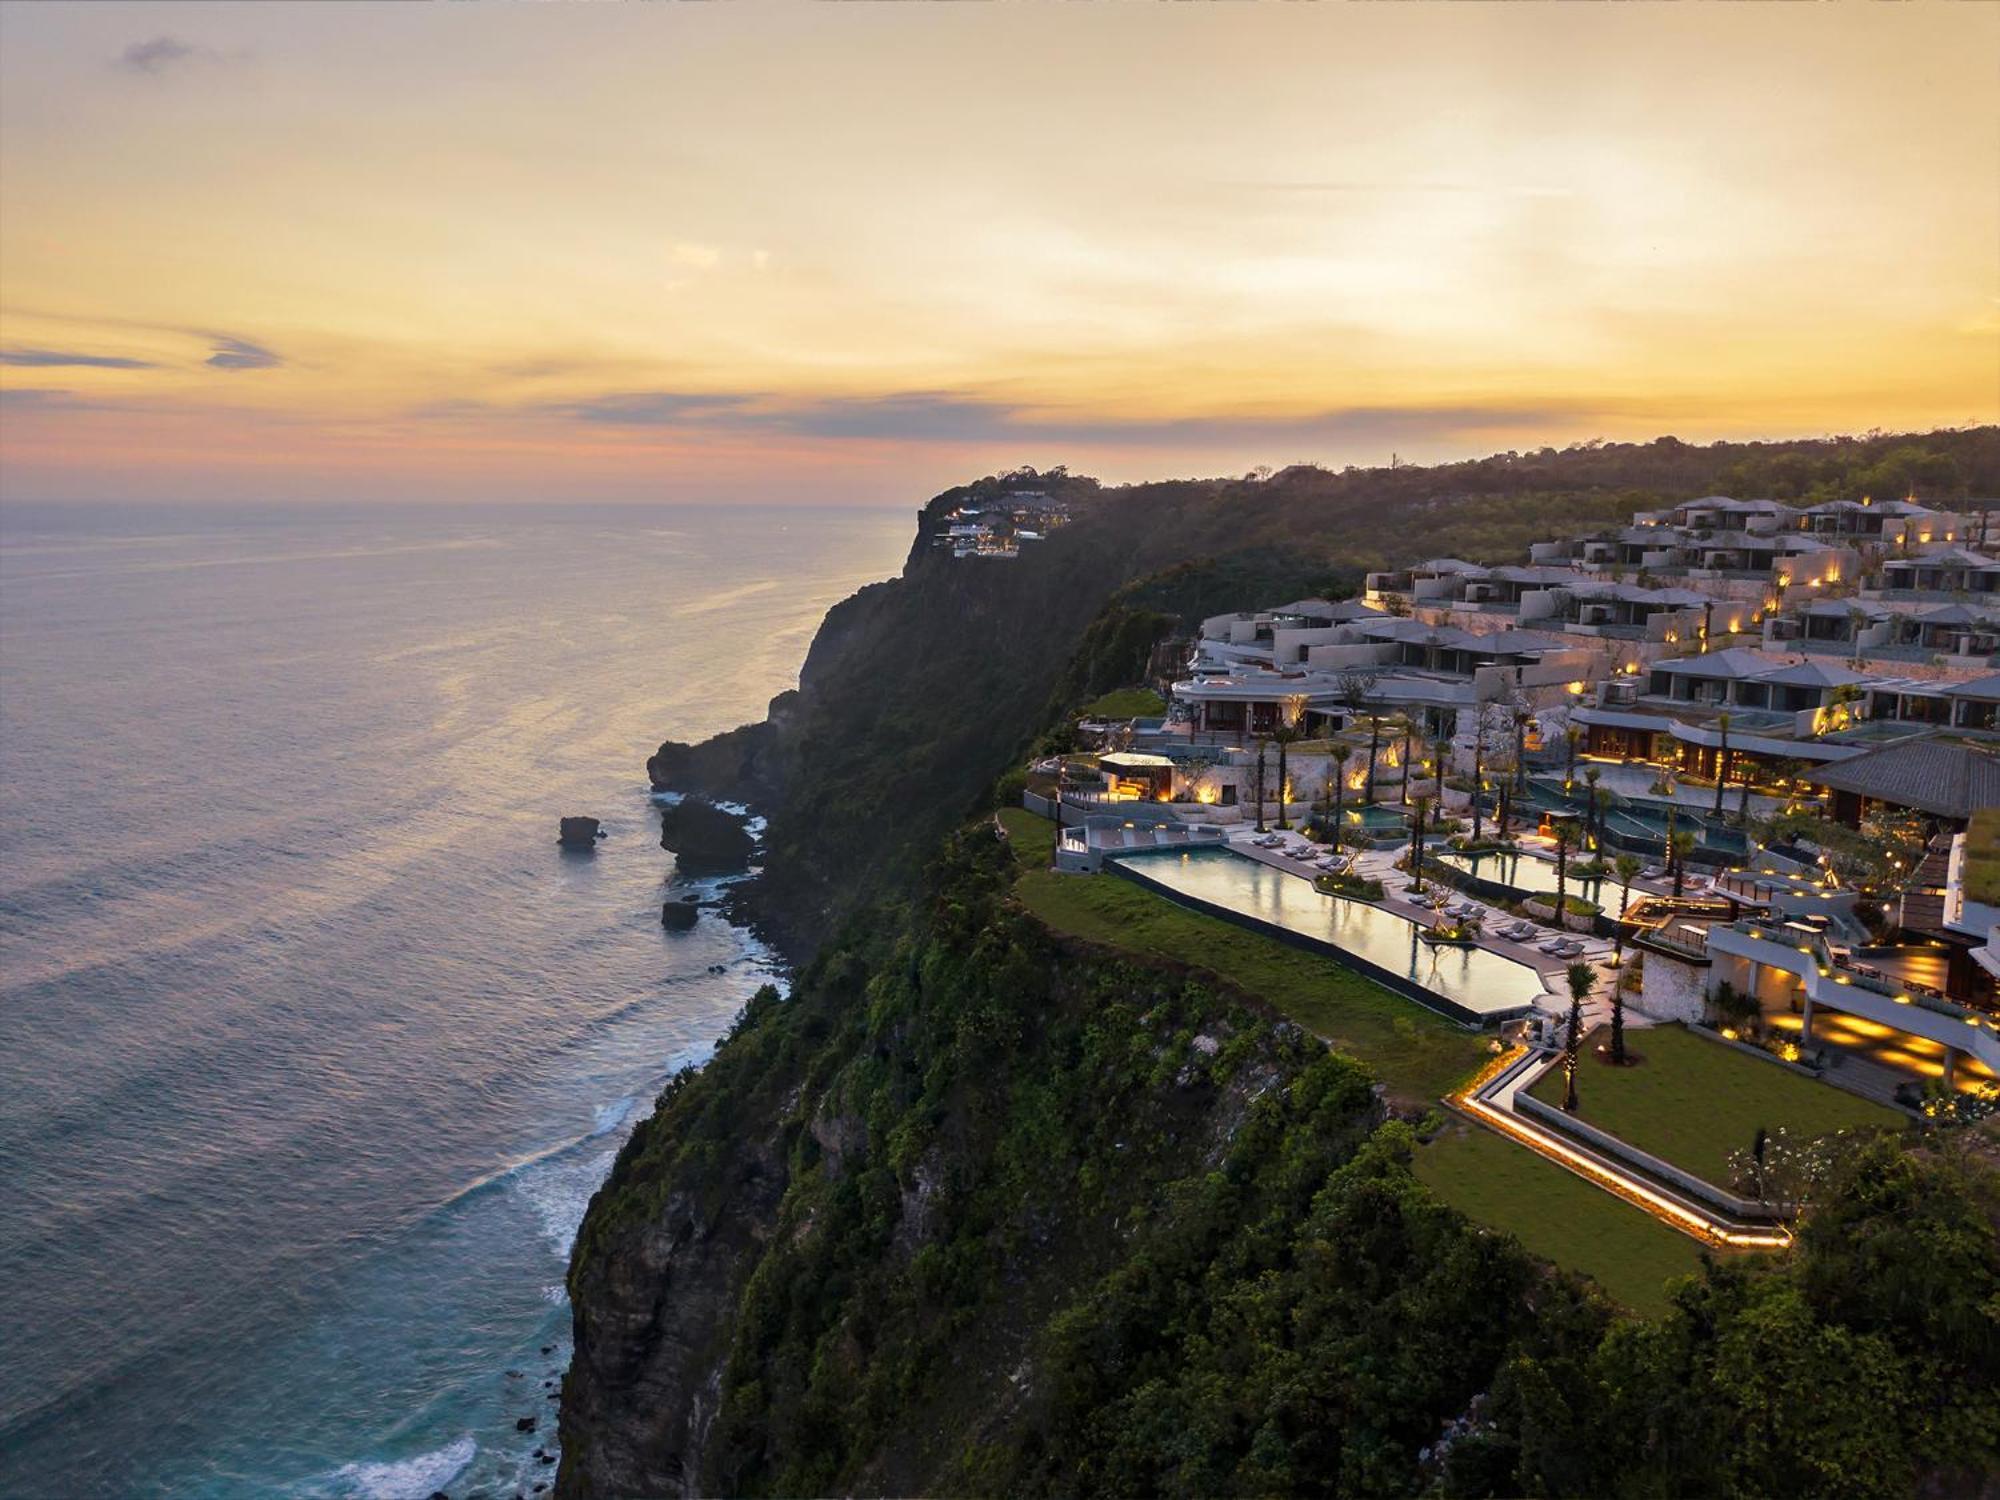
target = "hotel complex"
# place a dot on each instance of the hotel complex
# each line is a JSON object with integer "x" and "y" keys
{"x": 1743, "y": 756}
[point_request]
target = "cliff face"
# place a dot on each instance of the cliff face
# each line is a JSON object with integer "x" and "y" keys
{"x": 918, "y": 692}
{"x": 879, "y": 1243}
{"x": 973, "y": 1212}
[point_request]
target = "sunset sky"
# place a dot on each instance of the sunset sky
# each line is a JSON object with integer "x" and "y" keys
{"x": 855, "y": 253}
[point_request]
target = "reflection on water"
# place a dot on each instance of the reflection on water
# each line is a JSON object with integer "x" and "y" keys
{"x": 1472, "y": 978}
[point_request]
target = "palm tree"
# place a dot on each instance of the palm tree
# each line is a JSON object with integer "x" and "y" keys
{"x": 1478, "y": 765}
{"x": 1680, "y": 846}
{"x": 1521, "y": 718}
{"x": 1260, "y": 786}
{"x": 1417, "y": 842}
{"x": 1618, "y": 1058}
{"x": 1340, "y": 754}
{"x": 1591, "y": 777}
{"x": 1572, "y": 737}
{"x": 1582, "y": 978}
{"x": 1625, "y": 866}
{"x": 1374, "y": 748}
{"x": 1721, "y": 759}
{"x": 1562, "y": 870}
{"x": 1283, "y": 735}
{"x": 1409, "y": 733}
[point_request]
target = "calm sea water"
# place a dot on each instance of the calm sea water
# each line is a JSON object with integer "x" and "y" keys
{"x": 315, "y": 1043}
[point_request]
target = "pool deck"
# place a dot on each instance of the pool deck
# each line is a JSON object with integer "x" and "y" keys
{"x": 1380, "y": 864}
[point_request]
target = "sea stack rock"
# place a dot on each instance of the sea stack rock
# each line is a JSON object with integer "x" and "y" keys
{"x": 679, "y": 916}
{"x": 705, "y": 839}
{"x": 580, "y": 833}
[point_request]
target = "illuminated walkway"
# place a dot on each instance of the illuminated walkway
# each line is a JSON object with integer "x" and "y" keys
{"x": 1489, "y": 1099}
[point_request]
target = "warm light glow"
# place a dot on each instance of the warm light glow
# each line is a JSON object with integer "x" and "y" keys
{"x": 657, "y": 253}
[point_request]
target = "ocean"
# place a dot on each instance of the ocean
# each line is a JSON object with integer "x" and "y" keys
{"x": 316, "y": 1043}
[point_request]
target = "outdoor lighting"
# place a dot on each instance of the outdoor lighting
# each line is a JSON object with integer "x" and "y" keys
{"x": 1575, "y": 688}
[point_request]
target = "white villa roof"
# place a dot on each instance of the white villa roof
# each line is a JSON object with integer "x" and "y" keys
{"x": 1724, "y": 502}
{"x": 1737, "y": 661}
{"x": 1945, "y": 554}
{"x": 1981, "y": 689}
{"x": 1813, "y": 674}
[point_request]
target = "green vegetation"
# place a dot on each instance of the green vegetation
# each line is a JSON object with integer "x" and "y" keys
{"x": 1011, "y": 1196}
{"x": 1695, "y": 1102}
{"x": 1125, "y": 703}
{"x": 1982, "y": 857}
{"x": 972, "y": 1213}
{"x": 1558, "y": 1215}
{"x": 1418, "y": 1055}
{"x": 1033, "y": 836}
{"x": 1360, "y": 887}
{"x": 884, "y": 748}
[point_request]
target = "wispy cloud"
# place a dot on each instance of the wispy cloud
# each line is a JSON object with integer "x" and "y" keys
{"x": 51, "y": 358}
{"x": 157, "y": 54}
{"x": 949, "y": 416}
{"x": 652, "y": 408}
{"x": 241, "y": 354}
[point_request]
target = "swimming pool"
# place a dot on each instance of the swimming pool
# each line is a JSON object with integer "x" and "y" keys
{"x": 1524, "y": 872}
{"x": 1472, "y": 983}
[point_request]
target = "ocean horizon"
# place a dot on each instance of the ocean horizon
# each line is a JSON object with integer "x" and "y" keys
{"x": 318, "y": 1042}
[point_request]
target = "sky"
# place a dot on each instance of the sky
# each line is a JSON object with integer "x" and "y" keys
{"x": 773, "y": 251}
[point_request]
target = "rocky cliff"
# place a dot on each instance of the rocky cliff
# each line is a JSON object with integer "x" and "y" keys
{"x": 974, "y": 1212}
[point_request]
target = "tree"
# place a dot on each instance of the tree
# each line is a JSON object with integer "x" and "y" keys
{"x": 1572, "y": 737}
{"x": 1721, "y": 759}
{"x": 1593, "y": 829}
{"x": 1339, "y": 757}
{"x": 1285, "y": 732}
{"x": 1355, "y": 691}
{"x": 1521, "y": 718}
{"x": 1562, "y": 868}
{"x": 1417, "y": 841}
{"x": 1374, "y": 748}
{"x": 1260, "y": 786}
{"x": 1680, "y": 846}
{"x": 1409, "y": 734}
{"x": 1625, "y": 866}
{"x": 1618, "y": 1057}
{"x": 1478, "y": 765}
{"x": 1582, "y": 979}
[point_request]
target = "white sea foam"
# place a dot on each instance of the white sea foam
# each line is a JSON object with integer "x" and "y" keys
{"x": 412, "y": 1479}
{"x": 611, "y": 1116}
{"x": 555, "y": 1294}
{"x": 557, "y": 1192}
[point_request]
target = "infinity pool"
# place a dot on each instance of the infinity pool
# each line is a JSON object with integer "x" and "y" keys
{"x": 1473, "y": 981}
{"x": 1524, "y": 872}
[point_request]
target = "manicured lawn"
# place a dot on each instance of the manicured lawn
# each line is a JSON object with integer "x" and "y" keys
{"x": 1557, "y": 1215}
{"x": 1693, "y": 1101}
{"x": 1033, "y": 837}
{"x": 1419, "y": 1056}
{"x": 1126, "y": 703}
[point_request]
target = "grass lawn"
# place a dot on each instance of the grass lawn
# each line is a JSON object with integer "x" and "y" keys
{"x": 1033, "y": 836}
{"x": 1693, "y": 1101}
{"x": 1126, "y": 703}
{"x": 1557, "y": 1215}
{"x": 1419, "y": 1056}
